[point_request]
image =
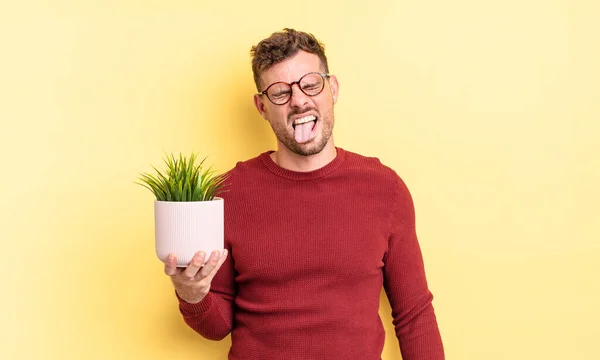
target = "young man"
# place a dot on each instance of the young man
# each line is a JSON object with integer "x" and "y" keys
{"x": 312, "y": 233}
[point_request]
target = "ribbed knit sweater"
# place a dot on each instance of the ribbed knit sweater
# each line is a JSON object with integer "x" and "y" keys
{"x": 309, "y": 254}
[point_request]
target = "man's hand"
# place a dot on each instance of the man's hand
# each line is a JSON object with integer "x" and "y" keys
{"x": 193, "y": 283}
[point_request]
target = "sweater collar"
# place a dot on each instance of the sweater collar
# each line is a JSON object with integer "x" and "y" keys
{"x": 297, "y": 175}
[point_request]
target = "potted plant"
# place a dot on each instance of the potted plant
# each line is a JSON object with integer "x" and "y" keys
{"x": 188, "y": 214}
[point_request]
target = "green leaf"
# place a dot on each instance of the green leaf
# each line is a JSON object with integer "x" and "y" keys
{"x": 184, "y": 179}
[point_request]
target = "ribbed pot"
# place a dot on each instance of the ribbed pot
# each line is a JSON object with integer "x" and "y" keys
{"x": 184, "y": 228}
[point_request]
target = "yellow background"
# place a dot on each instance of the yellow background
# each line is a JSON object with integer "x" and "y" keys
{"x": 489, "y": 110}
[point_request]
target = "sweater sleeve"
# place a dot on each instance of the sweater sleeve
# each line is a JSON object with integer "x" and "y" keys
{"x": 406, "y": 285}
{"x": 213, "y": 317}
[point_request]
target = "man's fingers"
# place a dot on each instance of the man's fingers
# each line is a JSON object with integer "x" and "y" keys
{"x": 171, "y": 265}
{"x": 217, "y": 266}
{"x": 210, "y": 264}
{"x": 195, "y": 269}
{"x": 195, "y": 265}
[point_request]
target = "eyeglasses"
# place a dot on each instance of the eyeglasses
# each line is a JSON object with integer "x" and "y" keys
{"x": 280, "y": 93}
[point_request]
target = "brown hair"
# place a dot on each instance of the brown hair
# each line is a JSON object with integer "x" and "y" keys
{"x": 281, "y": 46}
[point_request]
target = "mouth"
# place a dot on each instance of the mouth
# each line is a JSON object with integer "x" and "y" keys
{"x": 304, "y": 128}
{"x": 304, "y": 120}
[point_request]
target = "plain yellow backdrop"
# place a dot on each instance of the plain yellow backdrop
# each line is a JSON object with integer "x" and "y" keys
{"x": 489, "y": 110}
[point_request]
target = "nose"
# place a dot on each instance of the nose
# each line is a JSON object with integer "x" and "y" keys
{"x": 299, "y": 99}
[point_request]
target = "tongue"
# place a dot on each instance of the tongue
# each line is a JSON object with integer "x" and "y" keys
{"x": 302, "y": 131}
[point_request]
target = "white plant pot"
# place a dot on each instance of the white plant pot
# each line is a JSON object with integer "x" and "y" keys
{"x": 184, "y": 228}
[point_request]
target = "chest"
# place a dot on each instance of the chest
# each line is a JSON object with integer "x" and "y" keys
{"x": 331, "y": 232}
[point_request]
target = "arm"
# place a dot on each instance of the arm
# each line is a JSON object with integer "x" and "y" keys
{"x": 205, "y": 296}
{"x": 406, "y": 285}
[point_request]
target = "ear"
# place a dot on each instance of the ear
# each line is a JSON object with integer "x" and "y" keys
{"x": 260, "y": 106}
{"x": 334, "y": 87}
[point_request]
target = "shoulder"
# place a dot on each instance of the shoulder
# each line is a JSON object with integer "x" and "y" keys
{"x": 371, "y": 165}
{"x": 378, "y": 172}
{"x": 243, "y": 167}
{"x": 246, "y": 176}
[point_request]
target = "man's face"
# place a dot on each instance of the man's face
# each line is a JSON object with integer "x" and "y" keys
{"x": 303, "y": 125}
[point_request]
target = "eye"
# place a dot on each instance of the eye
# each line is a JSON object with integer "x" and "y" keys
{"x": 311, "y": 83}
{"x": 279, "y": 94}
{"x": 279, "y": 91}
{"x": 310, "y": 86}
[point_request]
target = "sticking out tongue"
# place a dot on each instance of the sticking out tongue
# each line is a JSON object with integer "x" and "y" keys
{"x": 302, "y": 131}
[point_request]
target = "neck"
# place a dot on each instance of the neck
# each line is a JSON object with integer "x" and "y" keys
{"x": 291, "y": 161}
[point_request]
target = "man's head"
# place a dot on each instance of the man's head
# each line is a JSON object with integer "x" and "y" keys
{"x": 301, "y": 116}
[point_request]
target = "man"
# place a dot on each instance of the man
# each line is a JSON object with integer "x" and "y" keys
{"x": 312, "y": 233}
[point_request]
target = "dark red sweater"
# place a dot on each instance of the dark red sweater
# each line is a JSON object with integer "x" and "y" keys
{"x": 309, "y": 254}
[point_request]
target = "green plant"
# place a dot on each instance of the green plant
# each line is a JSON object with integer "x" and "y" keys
{"x": 184, "y": 180}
